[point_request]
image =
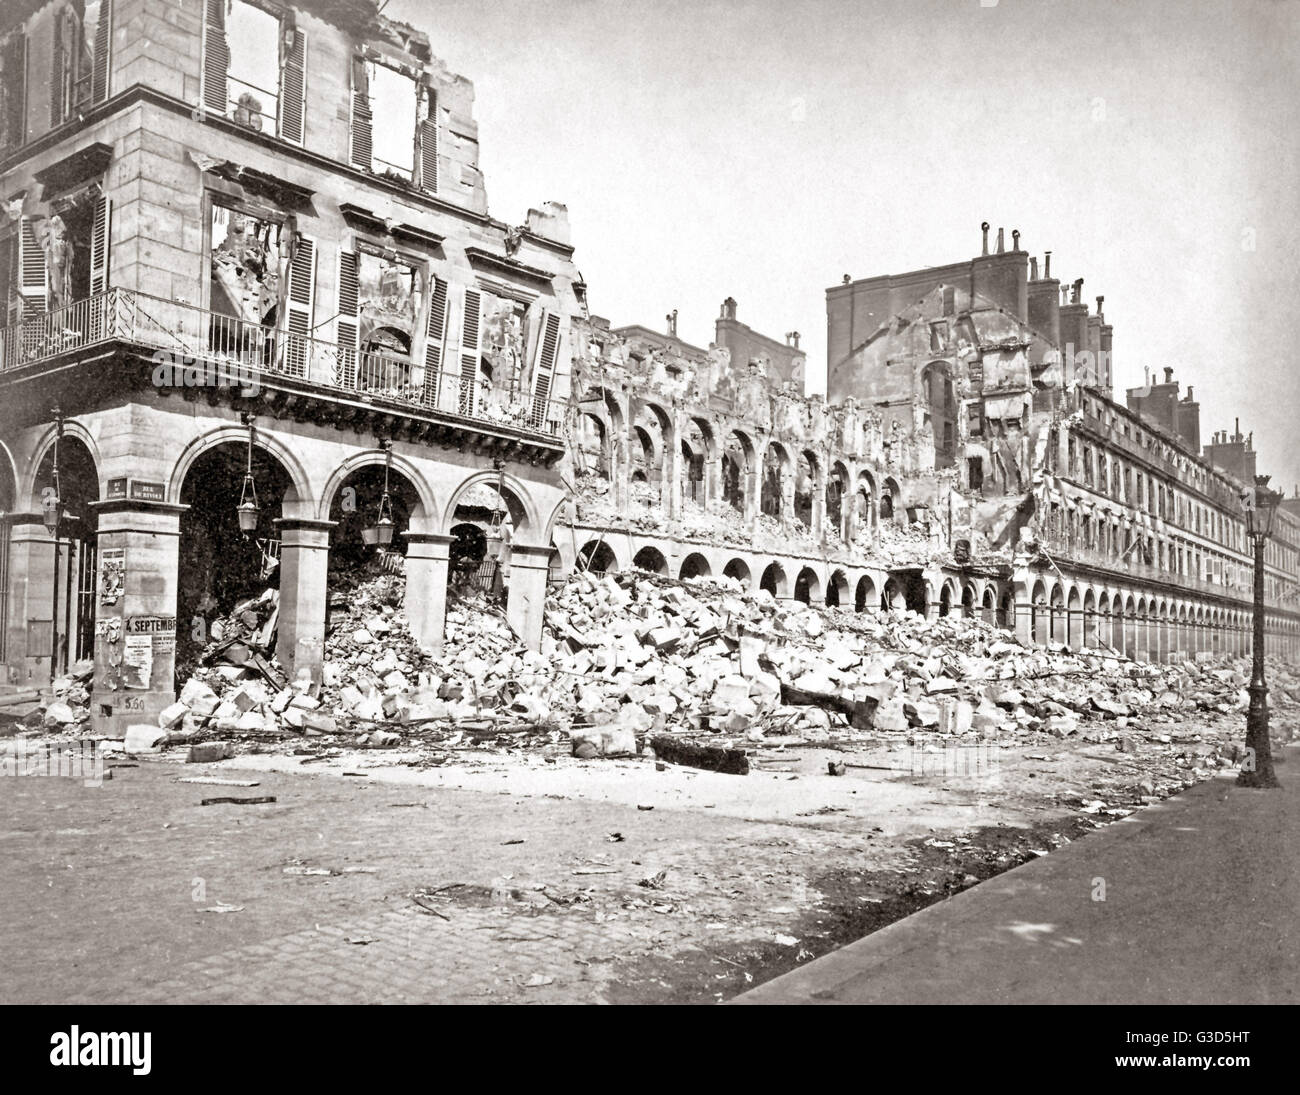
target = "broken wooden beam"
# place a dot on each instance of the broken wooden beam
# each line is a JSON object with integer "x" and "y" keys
{"x": 861, "y": 713}
{"x": 712, "y": 758}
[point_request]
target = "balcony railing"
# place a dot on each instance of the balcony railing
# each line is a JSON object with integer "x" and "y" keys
{"x": 183, "y": 336}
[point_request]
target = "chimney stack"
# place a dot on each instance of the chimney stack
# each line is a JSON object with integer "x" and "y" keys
{"x": 984, "y": 228}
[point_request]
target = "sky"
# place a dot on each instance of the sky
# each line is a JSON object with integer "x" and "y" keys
{"x": 764, "y": 149}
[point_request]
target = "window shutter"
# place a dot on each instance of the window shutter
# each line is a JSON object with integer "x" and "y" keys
{"x": 361, "y": 143}
{"x": 427, "y": 139}
{"x": 435, "y": 333}
{"x": 348, "y": 327}
{"x": 103, "y": 47}
{"x": 216, "y": 57}
{"x": 57, "y": 68}
{"x": 544, "y": 374}
{"x": 13, "y": 84}
{"x": 100, "y": 228}
{"x": 299, "y": 300}
{"x": 8, "y": 274}
{"x": 293, "y": 84}
{"x": 32, "y": 284}
{"x": 469, "y": 351}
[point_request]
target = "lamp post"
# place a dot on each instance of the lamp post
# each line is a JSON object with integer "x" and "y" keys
{"x": 52, "y": 518}
{"x": 1257, "y": 771}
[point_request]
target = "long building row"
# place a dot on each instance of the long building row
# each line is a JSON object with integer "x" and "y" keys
{"x": 259, "y": 320}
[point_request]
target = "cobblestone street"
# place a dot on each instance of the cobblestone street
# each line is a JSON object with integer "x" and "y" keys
{"x": 533, "y": 882}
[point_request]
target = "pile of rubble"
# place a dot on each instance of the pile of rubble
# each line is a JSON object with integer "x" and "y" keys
{"x": 627, "y": 656}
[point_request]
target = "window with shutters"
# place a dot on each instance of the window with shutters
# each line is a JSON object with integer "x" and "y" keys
{"x": 254, "y": 66}
{"x": 393, "y": 100}
{"x": 13, "y": 90}
{"x": 427, "y": 140}
{"x": 253, "y": 70}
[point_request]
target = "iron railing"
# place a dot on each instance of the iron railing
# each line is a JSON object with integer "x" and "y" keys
{"x": 235, "y": 351}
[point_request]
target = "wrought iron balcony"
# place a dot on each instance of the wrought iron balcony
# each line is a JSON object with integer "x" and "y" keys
{"x": 182, "y": 336}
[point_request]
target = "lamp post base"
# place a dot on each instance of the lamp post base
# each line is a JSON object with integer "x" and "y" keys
{"x": 1257, "y": 768}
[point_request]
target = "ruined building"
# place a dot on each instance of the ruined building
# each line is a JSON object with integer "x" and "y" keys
{"x": 215, "y": 262}
{"x": 258, "y": 319}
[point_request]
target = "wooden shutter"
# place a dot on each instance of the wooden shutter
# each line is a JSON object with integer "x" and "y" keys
{"x": 434, "y": 335}
{"x": 99, "y": 80}
{"x": 58, "y": 66}
{"x": 427, "y": 146}
{"x": 293, "y": 84}
{"x": 348, "y": 324}
{"x": 361, "y": 144}
{"x": 8, "y": 277}
{"x": 13, "y": 78}
{"x": 469, "y": 350}
{"x": 32, "y": 284}
{"x": 100, "y": 227}
{"x": 216, "y": 57}
{"x": 544, "y": 374}
{"x": 299, "y": 301}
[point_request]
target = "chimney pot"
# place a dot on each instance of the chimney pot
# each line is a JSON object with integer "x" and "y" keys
{"x": 1033, "y": 267}
{"x": 1001, "y": 248}
{"x": 1047, "y": 264}
{"x": 1015, "y": 239}
{"x": 846, "y": 279}
{"x": 1100, "y": 302}
{"x": 1169, "y": 374}
{"x": 984, "y": 229}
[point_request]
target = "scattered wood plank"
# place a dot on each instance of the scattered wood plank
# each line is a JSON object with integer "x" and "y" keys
{"x": 255, "y": 800}
{"x": 217, "y": 781}
{"x": 712, "y": 758}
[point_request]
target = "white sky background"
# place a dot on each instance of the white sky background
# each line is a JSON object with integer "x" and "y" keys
{"x": 762, "y": 149}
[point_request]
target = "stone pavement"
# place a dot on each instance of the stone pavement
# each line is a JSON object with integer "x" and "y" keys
{"x": 1194, "y": 900}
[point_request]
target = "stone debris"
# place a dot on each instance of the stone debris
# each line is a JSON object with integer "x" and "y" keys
{"x": 698, "y": 671}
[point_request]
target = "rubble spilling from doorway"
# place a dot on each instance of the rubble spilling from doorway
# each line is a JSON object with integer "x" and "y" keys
{"x": 626, "y": 657}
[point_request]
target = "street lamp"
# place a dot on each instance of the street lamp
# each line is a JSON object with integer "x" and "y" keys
{"x": 1257, "y": 771}
{"x": 248, "y": 510}
{"x": 381, "y": 532}
{"x": 52, "y": 518}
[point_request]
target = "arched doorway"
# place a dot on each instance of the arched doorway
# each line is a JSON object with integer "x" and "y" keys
{"x": 219, "y": 565}
{"x": 773, "y": 580}
{"x": 864, "y": 597}
{"x": 651, "y": 559}
{"x": 695, "y": 565}
{"x": 597, "y": 557}
{"x": 837, "y": 589}
{"x": 739, "y": 570}
{"x": 806, "y": 586}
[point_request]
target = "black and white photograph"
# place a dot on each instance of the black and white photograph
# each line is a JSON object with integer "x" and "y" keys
{"x": 689, "y": 502}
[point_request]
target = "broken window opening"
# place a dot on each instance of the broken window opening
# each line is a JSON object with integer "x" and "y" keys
{"x": 393, "y": 101}
{"x": 253, "y": 73}
{"x": 390, "y": 292}
{"x": 245, "y": 275}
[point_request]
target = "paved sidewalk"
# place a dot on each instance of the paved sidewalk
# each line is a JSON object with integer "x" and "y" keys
{"x": 1201, "y": 905}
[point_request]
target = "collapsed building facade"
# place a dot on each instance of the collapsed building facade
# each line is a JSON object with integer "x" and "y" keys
{"x": 257, "y": 309}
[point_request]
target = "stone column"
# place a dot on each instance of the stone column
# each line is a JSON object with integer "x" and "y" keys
{"x": 671, "y": 491}
{"x": 304, "y": 568}
{"x": 145, "y": 538}
{"x": 527, "y": 598}
{"x": 31, "y": 561}
{"x": 427, "y": 563}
